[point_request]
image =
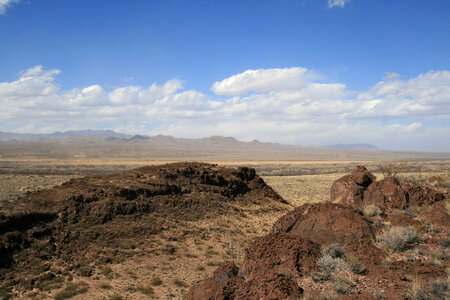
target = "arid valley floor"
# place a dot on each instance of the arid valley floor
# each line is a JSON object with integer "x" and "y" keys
{"x": 184, "y": 250}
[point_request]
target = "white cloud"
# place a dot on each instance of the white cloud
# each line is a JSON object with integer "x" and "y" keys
{"x": 339, "y": 3}
{"x": 286, "y": 105}
{"x": 4, "y": 4}
{"x": 262, "y": 80}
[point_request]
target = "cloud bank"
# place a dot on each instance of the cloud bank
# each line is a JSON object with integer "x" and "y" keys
{"x": 4, "y": 4}
{"x": 280, "y": 105}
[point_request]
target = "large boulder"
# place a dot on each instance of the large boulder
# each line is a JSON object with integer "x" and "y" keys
{"x": 386, "y": 194}
{"x": 227, "y": 284}
{"x": 419, "y": 195}
{"x": 280, "y": 252}
{"x": 330, "y": 223}
{"x": 360, "y": 188}
{"x": 349, "y": 189}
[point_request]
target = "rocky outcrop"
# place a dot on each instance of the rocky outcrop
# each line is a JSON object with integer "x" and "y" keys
{"x": 361, "y": 188}
{"x": 90, "y": 214}
{"x": 306, "y": 246}
{"x": 227, "y": 283}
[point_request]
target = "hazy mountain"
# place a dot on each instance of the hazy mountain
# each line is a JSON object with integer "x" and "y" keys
{"x": 362, "y": 146}
{"x": 6, "y": 136}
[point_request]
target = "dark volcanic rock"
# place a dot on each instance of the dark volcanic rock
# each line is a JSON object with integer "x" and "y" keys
{"x": 90, "y": 214}
{"x": 329, "y": 223}
{"x": 360, "y": 189}
{"x": 309, "y": 241}
{"x": 362, "y": 176}
{"x": 226, "y": 283}
{"x": 280, "y": 252}
{"x": 386, "y": 193}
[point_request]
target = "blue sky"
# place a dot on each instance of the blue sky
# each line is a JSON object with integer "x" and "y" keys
{"x": 307, "y": 72}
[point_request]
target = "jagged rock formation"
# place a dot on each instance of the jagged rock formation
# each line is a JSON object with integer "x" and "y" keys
{"x": 91, "y": 214}
{"x": 336, "y": 249}
{"x": 361, "y": 188}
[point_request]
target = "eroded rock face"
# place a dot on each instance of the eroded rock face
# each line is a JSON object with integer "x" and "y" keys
{"x": 273, "y": 263}
{"x": 330, "y": 223}
{"x": 90, "y": 213}
{"x": 280, "y": 252}
{"x": 361, "y": 188}
{"x": 362, "y": 176}
{"x": 226, "y": 283}
{"x": 349, "y": 189}
{"x": 386, "y": 193}
{"x": 283, "y": 263}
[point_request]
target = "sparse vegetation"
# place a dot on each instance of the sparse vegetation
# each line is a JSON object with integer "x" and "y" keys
{"x": 397, "y": 238}
{"x": 200, "y": 268}
{"x": 180, "y": 283}
{"x": 330, "y": 265}
{"x": 371, "y": 210}
{"x": 342, "y": 284}
{"x": 146, "y": 289}
{"x": 71, "y": 290}
{"x": 390, "y": 169}
{"x": 116, "y": 296}
{"x": 155, "y": 281}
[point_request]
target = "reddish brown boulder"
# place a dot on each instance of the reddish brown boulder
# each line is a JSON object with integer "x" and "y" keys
{"x": 419, "y": 195}
{"x": 207, "y": 288}
{"x": 280, "y": 252}
{"x": 330, "y": 223}
{"x": 362, "y": 176}
{"x": 346, "y": 191}
{"x": 326, "y": 223}
{"x": 386, "y": 193}
{"x": 360, "y": 189}
{"x": 226, "y": 284}
{"x": 438, "y": 215}
{"x": 349, "y": 189}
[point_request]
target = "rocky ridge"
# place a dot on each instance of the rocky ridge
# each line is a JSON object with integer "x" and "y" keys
{"x": 372, "y": 240}
{"x": 77, "y": 228}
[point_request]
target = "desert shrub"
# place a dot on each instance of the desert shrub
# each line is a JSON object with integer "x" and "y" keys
{"x": 115, "y": 297}
{"x": 71, "y": 290}
{"x": 439, "y": 288}
{"x": 357, "y": 267}
{"x": 371, "y": 210}
{"x": 333, "y": 250}
{"x": 106, "y": 270}
{"x": 397, "y": 238}
{"x": 441, "y": 180}
{"x": 342, "y": 284}
{"x": 105, "y": 286}
{"x": 329, "y": 265}
{"x": 445, "y": 243}
{"x": 156, "y": 281}
{"x": 145, "y": 289}
{"x": 200, "y": 268}
{"x": 390, "y": 169}
{"x": 409, "y": 212}
{"x": 180, "y": 283}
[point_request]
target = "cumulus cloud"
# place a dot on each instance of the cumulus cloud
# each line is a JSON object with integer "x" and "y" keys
{"x": 4, "y": 4}
{"x": 286, "y": 105}
{"x": 338, "y": 3}
{"x": 262, "y": 80}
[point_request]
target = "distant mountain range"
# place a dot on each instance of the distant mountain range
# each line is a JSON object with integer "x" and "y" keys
{"x": 112, "y": 136}
{"x": 7, "y": 136}
{"x": 101, "y": 144}
{"x": 362, "y": 146}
